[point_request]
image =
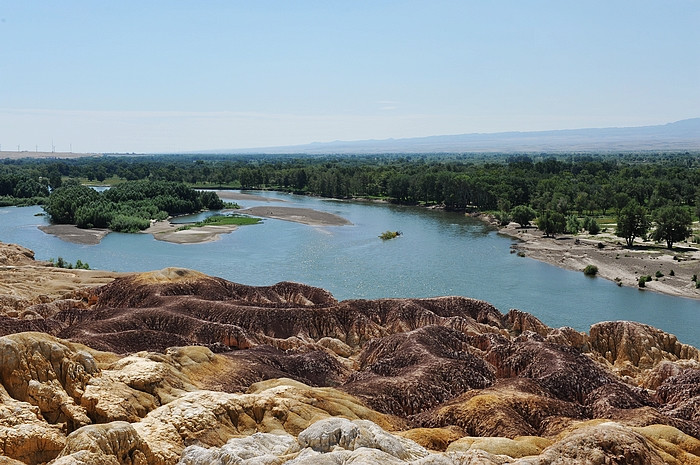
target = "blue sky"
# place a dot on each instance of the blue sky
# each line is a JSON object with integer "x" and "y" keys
{"x": 162, "y": 76}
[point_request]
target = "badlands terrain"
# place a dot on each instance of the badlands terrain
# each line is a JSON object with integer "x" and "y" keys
{"x": 176, "y": 367}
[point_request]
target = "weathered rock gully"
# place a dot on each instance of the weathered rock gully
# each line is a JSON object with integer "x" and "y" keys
{"x": 174, "y": 366}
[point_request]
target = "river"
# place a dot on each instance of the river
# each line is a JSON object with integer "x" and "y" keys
{"x": 439, "y": 253}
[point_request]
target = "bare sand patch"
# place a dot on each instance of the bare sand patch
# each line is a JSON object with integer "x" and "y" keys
{"x": 72, "y": 233}
{"x": 298, "y": 215}
{"x": 615, "y": 261}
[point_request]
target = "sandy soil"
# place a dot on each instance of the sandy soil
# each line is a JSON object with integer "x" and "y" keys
{"x": 614, "y": 260}
{"x": 231, "y": 195}
{"x": 166, "y": 231}
{"x": 71, "y": 233}
{"x": 298, "y": 215}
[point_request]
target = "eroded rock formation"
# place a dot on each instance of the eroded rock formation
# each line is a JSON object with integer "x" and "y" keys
{"x": 33, "y": 290}
{"x": 177, "y": 367}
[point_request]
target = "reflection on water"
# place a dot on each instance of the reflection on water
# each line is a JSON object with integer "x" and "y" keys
{"x": 438, "y": 254}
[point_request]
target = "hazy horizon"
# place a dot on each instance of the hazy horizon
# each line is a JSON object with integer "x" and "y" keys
{"x": 162, "y": 76}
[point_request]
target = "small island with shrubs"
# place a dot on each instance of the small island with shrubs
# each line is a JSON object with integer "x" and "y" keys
{"x": 127, "y": 207}
{"x": 386, "y": 235}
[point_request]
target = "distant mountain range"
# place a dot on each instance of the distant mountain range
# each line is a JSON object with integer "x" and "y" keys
{"x": 682, "y": 135}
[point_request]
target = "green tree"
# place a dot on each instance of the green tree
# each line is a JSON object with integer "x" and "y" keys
{"x": 591, "y": 225}
{"x": 673, "y": 223}
{"x": 632, "y": 222}
{"x": 502, "y": 217}
{"x": 551, "y": 223}
{"x": 581, "y": 201}
{"x": 30, "y": 188}
{"x": 55, "y": 179}
{"x": 210, "y": 200}
{"x": 620, "y": 201}
{"x": 573, "y": 225}
{"x": 523, "y": 214}
{"x": 64, "y": 201}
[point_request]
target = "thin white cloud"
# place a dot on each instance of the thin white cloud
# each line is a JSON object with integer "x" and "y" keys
{"x": 388, "y": 105}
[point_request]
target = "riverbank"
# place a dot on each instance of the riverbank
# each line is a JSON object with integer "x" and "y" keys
{"x": 613, "y": 259}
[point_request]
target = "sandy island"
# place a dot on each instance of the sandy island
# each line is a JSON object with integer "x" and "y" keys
{"x": 167, "y": 231}
{"x": 72, "y": 233}
{"x": 298, "y": 215}
{"x": 614, "y": 260}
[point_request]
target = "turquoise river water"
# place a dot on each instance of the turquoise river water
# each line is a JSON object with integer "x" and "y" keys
{"x": 439, "y": 253}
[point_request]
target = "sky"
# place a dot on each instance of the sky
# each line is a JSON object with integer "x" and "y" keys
{"x": 173, "y": 76}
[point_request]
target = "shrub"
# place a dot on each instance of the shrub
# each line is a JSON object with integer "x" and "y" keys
{"x": 659, "y": 274}
{"x": 586, "y": 222}
{"x": 386, "y": 235}
{"x": 128, "y": 224}
{"x": 672, "y": 273}
{"x": 643, "y": 280}
{"x": 573, "y": 226}
{"x": 523, "y": 214}
{"x": 502, "y": 217}
{"x": 590, "y": 270}
{"x": 551, "y": 223}
{"x": 593, "y": 227}
{"x": 61, "y": 263}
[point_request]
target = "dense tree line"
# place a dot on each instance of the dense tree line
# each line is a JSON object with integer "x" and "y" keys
{"x": 582, "y": 184}
{"x": 126, "y": 207}
{"x": 22, "y": 189}
{"x": 569, "y": 185}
